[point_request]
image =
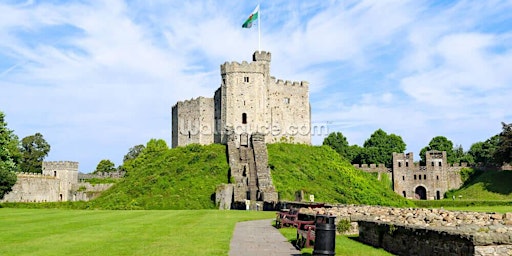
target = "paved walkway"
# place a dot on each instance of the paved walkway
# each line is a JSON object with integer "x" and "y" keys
{"x": 259, "y": 237}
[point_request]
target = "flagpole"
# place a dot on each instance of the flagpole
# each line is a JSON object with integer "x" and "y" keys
{"x": 259, "y": 28}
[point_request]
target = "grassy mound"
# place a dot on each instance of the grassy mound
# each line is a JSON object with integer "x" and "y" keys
{"x": 485, "y": 186}
{"x": 320, "y": 171}
{"x": 186, "y": 178}
{"x": 163, "y": 178}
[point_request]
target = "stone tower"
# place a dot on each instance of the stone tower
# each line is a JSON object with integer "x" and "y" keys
{"x": 248, "y": 101}
{"x": 66, "y": 172}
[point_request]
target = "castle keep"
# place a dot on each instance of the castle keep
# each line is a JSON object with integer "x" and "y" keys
{"x": 248, "y": 110}
{"x": 248, "y": 101}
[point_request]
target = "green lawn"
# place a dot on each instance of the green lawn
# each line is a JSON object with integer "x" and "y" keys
{"x": 79, "y": 232}
{"x": 344, "y": 245}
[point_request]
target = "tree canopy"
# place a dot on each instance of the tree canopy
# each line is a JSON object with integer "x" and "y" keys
{"x": 483, "y": 152}
{"x": 503, "y": 153}
{"x": 9, "y": 157}
{"x": 380, "y": 146}
{"x": 34, "y": 149}
{"x": 105, "y": 165}
{"x": 339, "y": 143}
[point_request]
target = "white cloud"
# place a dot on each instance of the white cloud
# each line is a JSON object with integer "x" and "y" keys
{"x": 96, "y": 78}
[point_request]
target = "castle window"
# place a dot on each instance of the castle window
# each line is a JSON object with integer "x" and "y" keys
{"x": 189, "y": 135}
{"x": 424, "y": 176}
{"x": 437, "y": 177}
{"x": 414, "y": 176}
{"x": 440, "y": 164}
{"x": 54, "y": 173}
{"x": 244, "y": 118}
{"x": 406, "y": 164}
{"x": 224, "y": 81}
{"x": 286, "y": 100}
{"x": 419, "y": 176}
{"x": 246, "y": 79}
{"x": 399, "y": 164}
{"x": 432, "y": 163}
{"x": 403, "y": 177}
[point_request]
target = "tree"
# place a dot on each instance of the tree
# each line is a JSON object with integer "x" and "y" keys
{"x": 503, "y": 153}
{"x": 439, "y": 143}
{"x": 34, "y": 149}
{"x": 379, "y": 148}
{"x": 134, "y": 152}
{"x": 9, "y": 157}
{"x": 483, "y": 152}
{"x": 105, "y": 165}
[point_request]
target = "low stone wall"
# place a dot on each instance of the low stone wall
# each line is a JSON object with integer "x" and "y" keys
{"x": 409, "y": 240}
{"x": 419, "y": 231}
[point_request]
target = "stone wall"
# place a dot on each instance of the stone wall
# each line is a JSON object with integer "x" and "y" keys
{"x": 411, "y": 231}
{"x": 409, "y": 240}
{"x": 85, "y": 191}
{"x": 58, "y": 182}
{"x": 31, "y": 187}
{"x": 192, "y": 122}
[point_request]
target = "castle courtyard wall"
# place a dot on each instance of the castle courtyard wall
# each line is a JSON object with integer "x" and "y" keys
{"x": 32, "y": 187}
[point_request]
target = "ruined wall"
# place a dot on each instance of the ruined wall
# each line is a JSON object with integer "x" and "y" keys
{"x": 193, "y": 122}
{"x": 85, "y": 191}
{"x": 409, "y": 240}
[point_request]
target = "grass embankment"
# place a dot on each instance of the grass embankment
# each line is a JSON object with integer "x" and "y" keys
{"x": 163, "y": 178}
{"x": 486, "y": 186}
{"x": 320, "y": 171}
{"x": 67, "y": 232}
{"x": 344, "y": 245}
{"x": 488, "y": 191}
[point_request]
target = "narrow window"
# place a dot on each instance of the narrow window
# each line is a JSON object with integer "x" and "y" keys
{"x": 286, "y": 100}
{"x": 437, "y": 177}
{"x": 403, "y": 177}
{"x": 54, "y": 173}
{"x": 414, "y": 176}
{"x": 419, "y": 177}
{"x": 432, "y": 163}
{"x": 244, "y": 118}
{"x": 189, "y": 135}
{"x": 399, "y": 164}
{"x": 424, "y": 176}
{"x": 406, "y": 164}
{"x": 440, "y": 164}
{"x": 246, "y": 79}
{"x": 224, "y": 81}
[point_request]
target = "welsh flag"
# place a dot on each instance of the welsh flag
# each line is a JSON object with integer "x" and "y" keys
{"x": 253, "y": 17}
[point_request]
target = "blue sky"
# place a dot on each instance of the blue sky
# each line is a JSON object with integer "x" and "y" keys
{"x": 98, "y": 77}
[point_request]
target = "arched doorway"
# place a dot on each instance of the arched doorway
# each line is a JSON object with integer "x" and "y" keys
{"x": 421, "y": 193}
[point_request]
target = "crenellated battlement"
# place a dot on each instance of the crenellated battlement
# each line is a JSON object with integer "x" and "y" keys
{"x": 261, "y": 56}
{"x": 33, "y": 175}
{"x": 60, "y": 165}
{"x": 193, "y": 101}
{"x": 280, "y": 82}
{"x": 244, "y": 67}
